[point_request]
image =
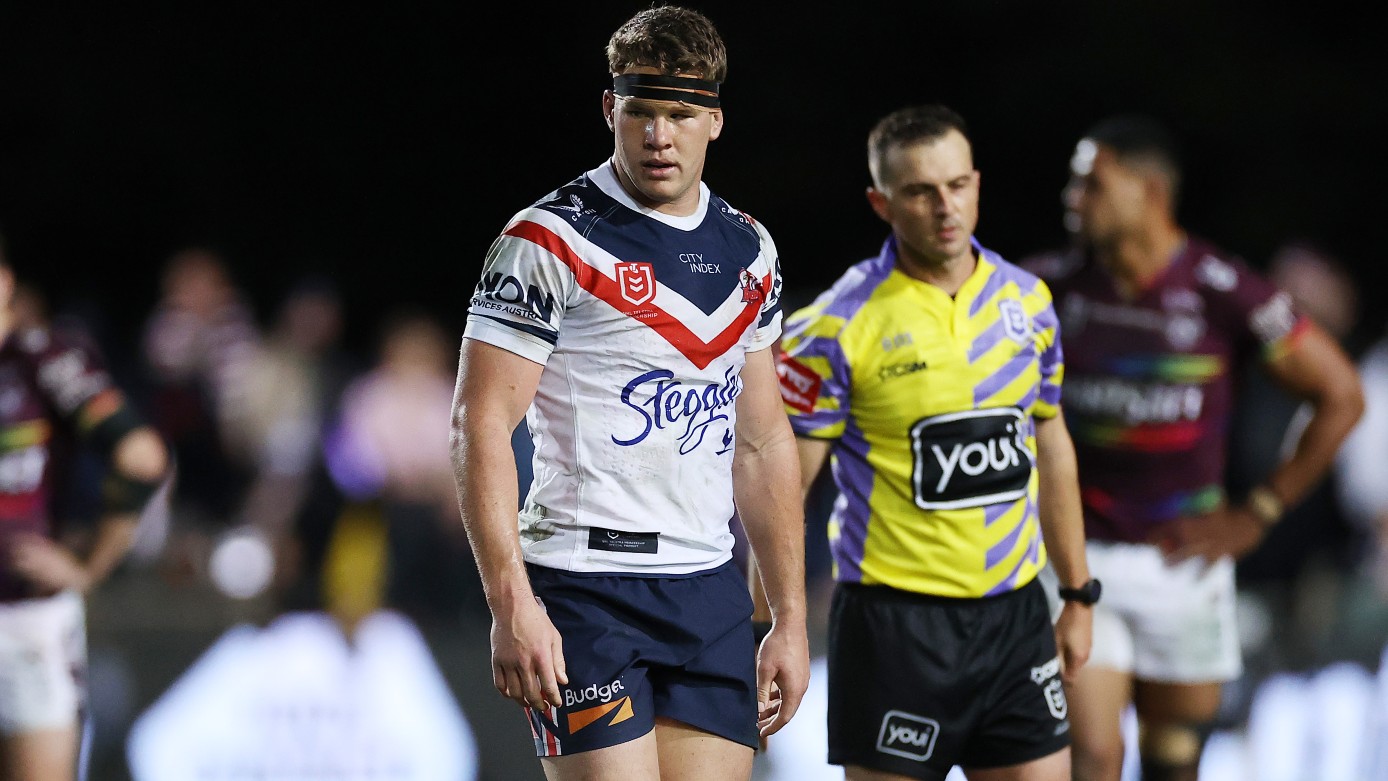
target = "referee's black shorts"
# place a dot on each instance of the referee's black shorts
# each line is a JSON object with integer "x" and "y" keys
{"x": 918, "y": 684}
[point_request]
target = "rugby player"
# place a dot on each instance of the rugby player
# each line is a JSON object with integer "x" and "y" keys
{"x": 629, "y": 316}
{"x": 56, "y": 395}
{"x": 1155, "y": 323}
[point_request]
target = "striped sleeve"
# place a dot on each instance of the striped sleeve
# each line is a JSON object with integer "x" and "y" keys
{"x": 518, "y": 305}
{"x": 1052, "y": 359}
{"x": 814, "y": 374}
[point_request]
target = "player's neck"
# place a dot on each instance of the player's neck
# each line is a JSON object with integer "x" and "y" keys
{"x": 1137, "y": 260}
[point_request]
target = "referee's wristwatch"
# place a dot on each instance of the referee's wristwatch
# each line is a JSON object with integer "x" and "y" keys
{"x": 1087, "y": 594}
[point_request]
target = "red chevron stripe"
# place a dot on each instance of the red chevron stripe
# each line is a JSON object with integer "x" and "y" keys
{"x": 699, "y": 352}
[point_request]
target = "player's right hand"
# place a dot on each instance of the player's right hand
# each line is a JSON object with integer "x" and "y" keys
{"x": 1227, "y": 531}
{"x": 528, "y": 656}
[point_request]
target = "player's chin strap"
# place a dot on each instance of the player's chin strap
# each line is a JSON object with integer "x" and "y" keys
{"x": 679, "y": 89}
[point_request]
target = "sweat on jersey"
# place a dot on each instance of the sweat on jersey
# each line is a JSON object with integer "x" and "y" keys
{"x": 930, "y": 402}
{"x": 642, "y": 322}
{"x": 1150, "y": 385}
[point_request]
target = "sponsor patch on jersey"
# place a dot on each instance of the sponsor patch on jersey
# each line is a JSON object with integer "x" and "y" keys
{"x": 623, "y": 542}
{"x": 621, "y": 710}
{"x": 894, "y": 370}
{"x": 907, "y": 735}
{"x": 1273, "y": 319}
{"x": 970, "y": 459}
{"x": 799, "y": 384}
{"x": 694, "y": 261}
{"x": 1183, "y": 331}
{"x": 577, "y": 209}
{"x": 505, "y": 293}
{"x": 1217, "y": 274}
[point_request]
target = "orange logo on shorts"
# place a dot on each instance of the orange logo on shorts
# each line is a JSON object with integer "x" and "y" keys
{"x": 580, "y": 719}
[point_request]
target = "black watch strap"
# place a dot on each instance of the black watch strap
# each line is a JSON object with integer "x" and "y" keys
{"x": 1087, "y": 594}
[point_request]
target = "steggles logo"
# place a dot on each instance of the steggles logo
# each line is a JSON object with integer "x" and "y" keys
{"x": 580, "y": 719}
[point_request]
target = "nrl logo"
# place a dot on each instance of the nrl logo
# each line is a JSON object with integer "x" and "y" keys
{"x": 637, "y": 281}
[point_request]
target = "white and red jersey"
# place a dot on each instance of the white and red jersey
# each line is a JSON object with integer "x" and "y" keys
{"x": 642, "y": 322}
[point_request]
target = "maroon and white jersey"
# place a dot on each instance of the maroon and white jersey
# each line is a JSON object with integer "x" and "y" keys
{"x": 1149, "y": 380}
{"x": 51, "y": 386}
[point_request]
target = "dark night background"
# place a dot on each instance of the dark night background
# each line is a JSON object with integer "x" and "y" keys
{"x": 386, "y": 145}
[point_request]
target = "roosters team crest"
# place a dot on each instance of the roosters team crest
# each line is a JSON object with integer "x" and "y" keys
{"x": 637, "y": 281}
{"x": 752, "y": 290}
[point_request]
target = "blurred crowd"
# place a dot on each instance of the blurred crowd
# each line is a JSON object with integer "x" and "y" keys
{"x": 279, "y": 429}
{"x": 315, "y": 476}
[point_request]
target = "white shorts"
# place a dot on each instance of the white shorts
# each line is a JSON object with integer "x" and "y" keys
{"x": 1165, "y": 623}
{"x": 43, "y": 659}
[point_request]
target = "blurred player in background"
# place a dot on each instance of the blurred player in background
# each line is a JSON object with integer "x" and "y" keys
{"x": 55, "y": 396}
{"x": 1155, "y": 323}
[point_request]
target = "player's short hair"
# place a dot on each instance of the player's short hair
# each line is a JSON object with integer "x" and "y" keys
{"x": 910, "y": 125}
{"x": 1141, "y": 141}
{"x": 674, "y": 39}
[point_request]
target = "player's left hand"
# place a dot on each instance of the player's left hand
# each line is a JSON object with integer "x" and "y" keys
{"x": 48, "y": 565}
{"x": 783, "y": 675}
{"x": 1228, "y": 531}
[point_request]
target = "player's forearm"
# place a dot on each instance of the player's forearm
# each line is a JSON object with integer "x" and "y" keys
{"x": 1062, "y": 516}
{"x": 1336, "y": 413}
{"x": 811, "y": 455}
{"x": 115, "y": 534}
{"x": 485, "y": 472}
{"x": 139, "y": 465}
{"x": 765, "y": 481}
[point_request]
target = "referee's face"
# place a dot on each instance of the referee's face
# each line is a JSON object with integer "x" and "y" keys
{"x": 929, "y": 195}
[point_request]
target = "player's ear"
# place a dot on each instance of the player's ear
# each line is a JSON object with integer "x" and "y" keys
{"x": 878, "y": 201}
{"x": 717, "y": 128}
{"x": 609, "y": 105}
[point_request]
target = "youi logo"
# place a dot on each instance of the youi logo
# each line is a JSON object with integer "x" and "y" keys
{"x": 907, "y": 735}
{"x": 660, "y": 401}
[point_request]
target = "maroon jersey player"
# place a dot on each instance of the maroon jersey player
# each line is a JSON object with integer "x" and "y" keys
{"x": 54, "y": 394}
{"x": 1153, "y": 322}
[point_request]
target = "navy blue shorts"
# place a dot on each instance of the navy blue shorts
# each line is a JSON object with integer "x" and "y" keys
{"x": 637, "y": 647}
{"x": 918, "y": 684}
